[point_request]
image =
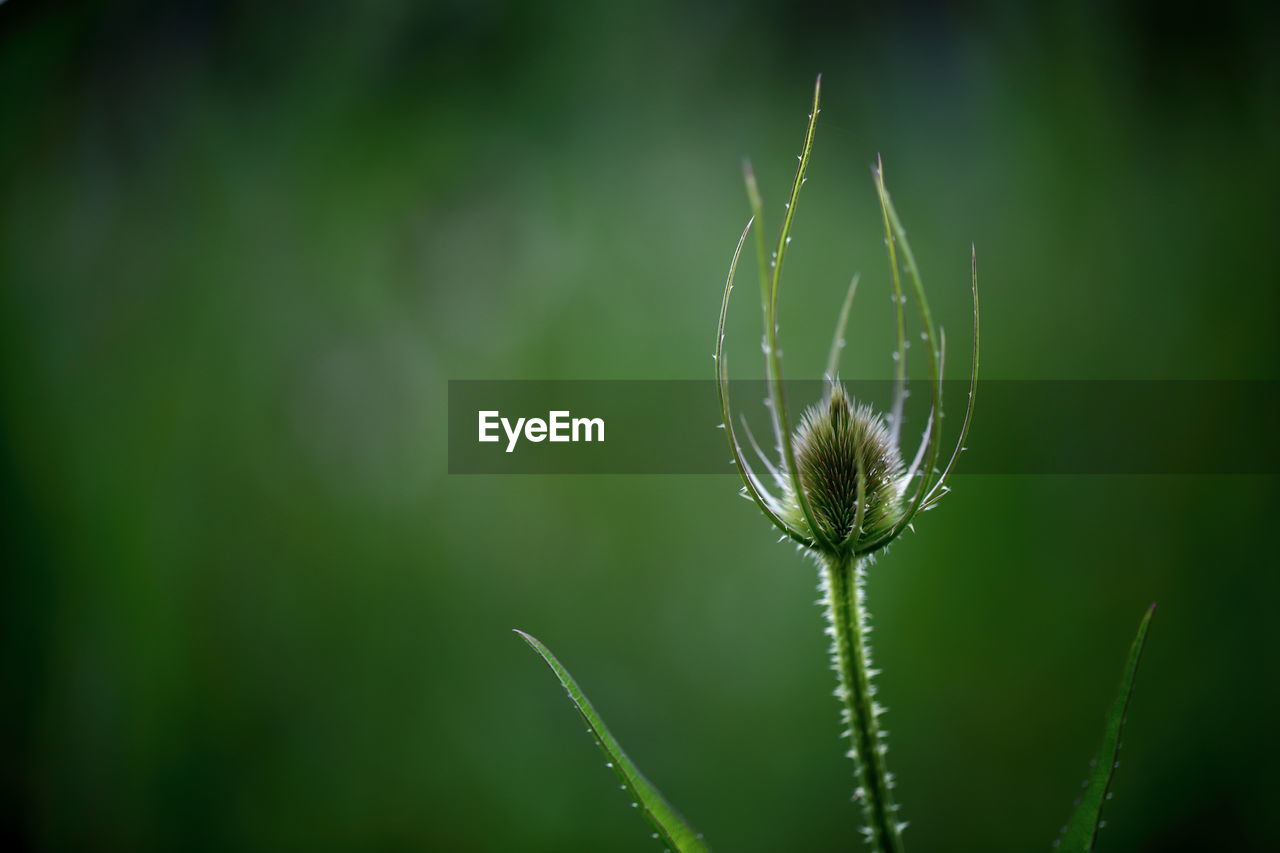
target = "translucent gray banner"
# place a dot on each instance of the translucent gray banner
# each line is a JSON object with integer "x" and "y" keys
{"x": 1020, "y": 427}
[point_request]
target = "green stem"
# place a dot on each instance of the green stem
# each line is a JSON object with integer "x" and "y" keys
{"x": 846, "y": 611}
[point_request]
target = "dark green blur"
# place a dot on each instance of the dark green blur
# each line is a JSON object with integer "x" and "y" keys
{"x": 243, "y": 247}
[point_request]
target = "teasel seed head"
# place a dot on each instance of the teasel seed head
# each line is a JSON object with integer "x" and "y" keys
{"x": 850, "y": 470}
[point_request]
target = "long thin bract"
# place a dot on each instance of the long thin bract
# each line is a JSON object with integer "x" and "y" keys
{"x": 939, "y": 488}
{"x": 776, "y": 392}
{"x": 754, "y": 489}
{"x": 895, "y": 234}
{"x": 837, "y": 339}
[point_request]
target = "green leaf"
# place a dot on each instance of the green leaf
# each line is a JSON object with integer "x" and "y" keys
{"x": 669, "y": 825}
{"x": 1081, "y": 832}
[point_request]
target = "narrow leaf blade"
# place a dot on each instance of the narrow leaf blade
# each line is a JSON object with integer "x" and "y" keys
{"x": 1081, "y": 832}
{"x": 668, "y": 823}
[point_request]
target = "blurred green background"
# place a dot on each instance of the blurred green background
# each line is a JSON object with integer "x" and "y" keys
{"x": 244, "y": 246}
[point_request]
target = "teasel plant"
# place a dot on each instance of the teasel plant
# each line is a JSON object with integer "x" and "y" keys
{"x": 842, "y": 492}
{"x": 841, "y": 489}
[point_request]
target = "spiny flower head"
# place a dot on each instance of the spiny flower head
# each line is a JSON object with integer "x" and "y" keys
{"x": 842, "y": 485}
{"x": 850, "y": 471}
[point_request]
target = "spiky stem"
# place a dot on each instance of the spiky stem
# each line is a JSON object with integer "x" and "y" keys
{"x": 843, "y": 582}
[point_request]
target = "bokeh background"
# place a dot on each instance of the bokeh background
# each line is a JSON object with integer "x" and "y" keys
{"x": 243, "y": 247}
